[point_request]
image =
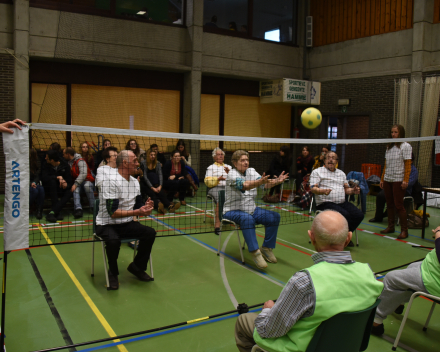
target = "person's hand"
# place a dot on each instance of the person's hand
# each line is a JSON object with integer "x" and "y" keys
{"x": 436, "y": 232}
{"x": 326, "y": 191}
{"x": 227, "y": 169}
{"x": 381, "y": 184}
{"x": 172, "y": 177}
{"x": 181, "y": 178}
{"x": 283, "y": 177}
{"x": 34, "y": 185}
{"x": 221, "y": 178}
{"x": 155, "y": 190}
{"x": 183, "y": 158}
{"x": 63, "y": 184}
{"x": 269, "y": 304}
{"x": 159, "y": 188}
{"x": 264, "y": 179}
{"x": 356, "y": 190}
{"x": 404, "y": 185}
{"x": 73, "y": 188}
{"x": 59, "y": 177}
{"x": 5, "y": 127}
{"x": 299, "y": 171}
{"x": 149, "y": 203}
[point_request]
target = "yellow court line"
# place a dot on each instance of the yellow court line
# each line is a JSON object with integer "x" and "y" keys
{"x": 89, "y": 301}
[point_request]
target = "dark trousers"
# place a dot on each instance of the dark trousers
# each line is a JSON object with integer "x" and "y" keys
{"x": 112, "y": 235}
{"x": 394, "y": 195}
{"x": 298, "y": 180}
{"x": 54, "y": 190}
{"x": 36, "y": 195}
{"x": 353, "y": 215}
{"x": 380, "y": 205}
{"x": 173, "y": 186}
{"x": 156, "y": 197}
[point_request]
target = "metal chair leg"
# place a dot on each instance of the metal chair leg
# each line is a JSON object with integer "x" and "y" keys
{"x": 219, "y": 239}
{"x": 105, "y": 265}
{"x": 151, "y": 267}
{"x": 357, "y": 239}
{"x": 429, "y": 316}
{"x": 93, "y": 260}
{"x": 206, "y": 208}
{"x": 281, "y": 194}
{"x": 239, "y": 244}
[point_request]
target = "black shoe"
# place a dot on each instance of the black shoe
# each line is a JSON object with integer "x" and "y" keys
{"x": 350, "y": 244}
{"x": 217, "y": 231}
{"x": 375, "y": 220}
{"x": 78, "y": 213}
{"x": 51, "y": 217}
{"x": 141, "y": 275}
{"x": 399, "y": 309}
{"x": 39, "y": 214}
{"x": 113, "y": 281}
{"x": 59, "y": 217}
{"x": 378, "y": 330}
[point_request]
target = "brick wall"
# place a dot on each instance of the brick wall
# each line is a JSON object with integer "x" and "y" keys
{"x": 6, "y": 104}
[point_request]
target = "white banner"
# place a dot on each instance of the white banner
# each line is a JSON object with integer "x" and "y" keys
{"x": 16, "y": 224}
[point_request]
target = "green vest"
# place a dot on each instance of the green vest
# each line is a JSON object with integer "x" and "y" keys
{"x": 338, "y": 288}
{"x": 431, "y": 273}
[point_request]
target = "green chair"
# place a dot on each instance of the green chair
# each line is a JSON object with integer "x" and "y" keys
{"x": 221, "y": 202}
{"x": 344, "y": 332}
{"x": 97, "y": 238}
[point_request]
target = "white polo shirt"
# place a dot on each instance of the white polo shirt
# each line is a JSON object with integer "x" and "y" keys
{"x": 213, "y": 172}
{"x": 237, "y": 199}
{"x": 117, "y": 187}
{"x": 395, "y": 157}
{"x": 104, "y": 173}
{"x": 325, "y": 179}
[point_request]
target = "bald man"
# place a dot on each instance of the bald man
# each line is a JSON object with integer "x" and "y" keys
{"x": 334, "y": 284}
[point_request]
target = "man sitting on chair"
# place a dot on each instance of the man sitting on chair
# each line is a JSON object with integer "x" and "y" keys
{"x": 334, "y": 284}
{"x": 215, "y": 180}
{"x": 120, "y": 200}
{"x": 330, "y": 186}
{"x": 399, "y": 285}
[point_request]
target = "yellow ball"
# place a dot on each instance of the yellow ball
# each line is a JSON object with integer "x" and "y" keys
{"x": 311, "y": 118}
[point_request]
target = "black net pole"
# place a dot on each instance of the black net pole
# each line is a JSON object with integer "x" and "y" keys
{"x": 2, "y": 335}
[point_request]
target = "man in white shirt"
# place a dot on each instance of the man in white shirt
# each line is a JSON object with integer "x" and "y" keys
{"x": 215, "y": 180}
{"x": 330, "y": 186}
{"x": 120, "y": 200}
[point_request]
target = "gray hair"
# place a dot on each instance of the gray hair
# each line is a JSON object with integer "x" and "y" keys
{"x": 123, "y": 155}
{"x": 238, "y": 154}
{"x": 333, "y": 232}
{"x": 214, "y": 152}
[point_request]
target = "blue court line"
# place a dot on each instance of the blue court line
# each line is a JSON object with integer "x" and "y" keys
{"x": 185, "y": 327}
{"x": 381, "y": 227}
{"x": 215, "y": 249}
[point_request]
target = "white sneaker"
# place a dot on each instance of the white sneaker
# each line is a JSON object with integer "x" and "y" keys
{"x": 259, "y": 260}
{"x": 268, "y": 254}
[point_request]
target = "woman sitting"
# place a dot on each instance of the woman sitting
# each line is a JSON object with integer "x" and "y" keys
{"x": 239, "y": 207}
{"x": 186, "y": 157}
{"x": 304, "y": 166}
{"x": 174, "y": 173}
{"x": 152, "y": 181}
{"x": 280, "y": 163}
{"x": 36, "y": 191}
{"x": 87, "y": 156}
{"x": 138, "y": 151}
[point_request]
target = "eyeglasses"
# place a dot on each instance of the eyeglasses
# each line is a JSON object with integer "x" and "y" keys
{"x": 332, "y": 158}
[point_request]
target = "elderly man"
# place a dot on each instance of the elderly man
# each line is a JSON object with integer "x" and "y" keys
{"x": 330, "y": 186}
{"x": 120, "y": 200}
{"x": 334, "y": 284}
{"x": 399, "y": 285}
{"x": 83, "y": 180}
{"x": 215, "y": 180}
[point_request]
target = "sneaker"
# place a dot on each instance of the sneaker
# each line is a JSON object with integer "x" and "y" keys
{"x": 378, "y": 330}
{"x": 78, "y": 213}
{"x": 161, "y": 208}
{"x": 141, "y": 275}
{"x": 268, "y": 254}
{"x": 113, "y": 281}
{"x": 173, "y": 207}
{"x": 59, "y": 217}
{"x": 259, "y": 260}
{"x": 375, "y": 220}
{"x": 51, "y": 217}
{"x": 217, "y": 231}
{"x": 176, "y": 206}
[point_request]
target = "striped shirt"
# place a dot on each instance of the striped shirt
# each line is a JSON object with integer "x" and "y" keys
{"x": 297, "y": 299}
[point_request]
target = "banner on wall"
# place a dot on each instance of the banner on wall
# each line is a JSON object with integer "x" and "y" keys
{"x": 16, "y": 215}
{"x": 291, "y": 91}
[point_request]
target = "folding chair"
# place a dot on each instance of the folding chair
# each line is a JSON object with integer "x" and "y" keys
{"x": 435, "y": 299}
{"x": 288, "y": 181}
{"x": 97, "y": 238}
{"x": 344, "y": 332}
{"x": 221, "y": 202}
{"x": 212, "y": 211}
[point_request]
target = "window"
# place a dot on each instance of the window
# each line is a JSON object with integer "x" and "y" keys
{"x": 273, "y": 35}
{"x": 226, "y": 15}
{"x": 333, "y": 134}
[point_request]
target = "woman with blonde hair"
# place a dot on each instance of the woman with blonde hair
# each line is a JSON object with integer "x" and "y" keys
{"x": 87, "y": 156}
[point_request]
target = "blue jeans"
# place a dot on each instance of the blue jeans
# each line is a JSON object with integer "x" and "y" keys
{"x": 36, "y": 194}
{"x": 247, "y": 222}
{"x": 86, "y": 187}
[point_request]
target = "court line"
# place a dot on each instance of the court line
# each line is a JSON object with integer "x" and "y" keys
{"x": 83, "y": 292}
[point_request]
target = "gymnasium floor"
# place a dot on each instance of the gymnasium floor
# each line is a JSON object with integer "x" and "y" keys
{"x": 52, "y": 298}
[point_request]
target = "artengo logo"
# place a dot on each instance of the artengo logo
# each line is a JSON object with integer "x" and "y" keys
{"x": 15, "y": 189}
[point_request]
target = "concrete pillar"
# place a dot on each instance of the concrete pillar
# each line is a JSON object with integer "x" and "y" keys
{"x": 21, "y": 52}
{"x": 193, "y": 79}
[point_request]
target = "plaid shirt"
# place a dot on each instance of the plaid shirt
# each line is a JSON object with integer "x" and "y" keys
{"x": 297, "y": 299}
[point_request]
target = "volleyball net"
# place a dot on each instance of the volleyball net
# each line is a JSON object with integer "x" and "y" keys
{"x": 192, "y": 195}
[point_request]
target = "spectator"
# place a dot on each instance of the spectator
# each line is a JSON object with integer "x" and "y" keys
{"x": 175, "y": 180}
{"x": 134, "y": 147}
{"x": 241, "y": 190}
{"x": 319, "y": 159}
{"x": 83, "y": 180}
{"x": 88, "y": 157}
{"x": 394, "y": 180}
{"x": 98, "y": 156}
{"x": 280, "y": 163}
{"x": 120, "y": 200}
{"x": 330, "y": 186}
{"x": 304, "y": 166}
{"x": 333, "y": 285}
{"x": 186, "y": 157}
{"x": 159, "y": 156}
{"x": 36, "y": 191}
{"x": 57, "y": 182}
{"x": 213, "y": 22}
{"x": 153, "y": 181}
{"x": 215, "y": 180}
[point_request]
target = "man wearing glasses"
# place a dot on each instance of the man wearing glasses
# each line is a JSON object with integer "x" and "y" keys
{"x": 330, "y": 186}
